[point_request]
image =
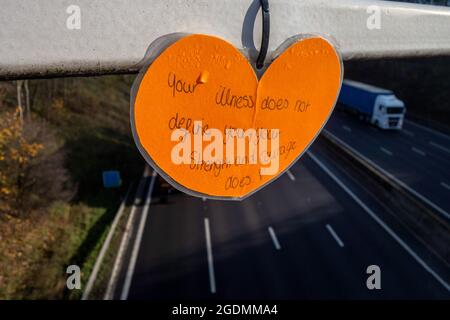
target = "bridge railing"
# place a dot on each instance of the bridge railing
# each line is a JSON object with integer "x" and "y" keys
{"x": 84, "y": 37}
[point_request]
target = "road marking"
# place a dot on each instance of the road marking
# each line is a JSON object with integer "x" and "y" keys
{"x": 392, "y": 177}
{"x": 335, "y": 236}
{"x": 380, "y": 222}
{"x": 105, "y": 246}
{"x": 212, "y": 279}
{"x": 437, "y": 145}
{"x": 274, "y": 238}
{"x": 428, "y": 129}
{"x": 291, "y": 176}
{"x": 111, "y": 288}
{"x": 407, "y": 132}
{"x": 446, "y": 186}
{"x": 137, "y": 241}
{"x": 347, "y": 128}
{"x": 418, "y": 151}
{"x": 389, "y": 153}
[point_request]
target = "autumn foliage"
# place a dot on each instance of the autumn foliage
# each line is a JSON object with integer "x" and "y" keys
{"x": 54, "y": 210}
{"x": 16, "y": 156}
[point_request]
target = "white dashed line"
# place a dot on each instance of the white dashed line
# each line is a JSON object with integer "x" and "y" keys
{"x": 389, "y": 153}
{"x": 212, "y": 278}
{"x": 380, "y": 222}
{"x": 408, "y": 133}
{"x": 274, "y": 238}
{"x": 445, "y": 185}
{"x": 347, "y": 128}
{"x": 437, "y": 145}
{"x": 428, "y": 129}
{"x": 335, "y": 236}
{"x": 418, "y": 151}
{"x": 291, "y": 176}
{"x": 391, "y": 176}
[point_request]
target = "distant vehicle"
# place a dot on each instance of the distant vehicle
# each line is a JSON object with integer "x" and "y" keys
{"x": 376, "y": 105}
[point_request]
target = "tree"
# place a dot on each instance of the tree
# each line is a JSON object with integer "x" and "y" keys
{"x": 16, "y": 154}
{"x": 22, "y": 110}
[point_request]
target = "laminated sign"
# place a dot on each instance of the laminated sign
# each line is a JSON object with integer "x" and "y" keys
{"x": 205, "y": 122}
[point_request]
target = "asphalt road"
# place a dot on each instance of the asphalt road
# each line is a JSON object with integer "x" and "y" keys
{"x": 310, "y": 234}
{"x": 415, "y": 155}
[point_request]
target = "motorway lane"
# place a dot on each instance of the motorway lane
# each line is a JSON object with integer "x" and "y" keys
{"x": 370, "y": 241}
{"x": 172, "y": 261}
{"x": 411, "y": 155}
{"x": 434, "y": 138}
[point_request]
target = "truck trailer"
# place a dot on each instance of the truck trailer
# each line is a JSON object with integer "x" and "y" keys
{"x": 375, "y": 105}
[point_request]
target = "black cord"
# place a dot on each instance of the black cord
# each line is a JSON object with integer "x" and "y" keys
{"x": 265, "y": 35}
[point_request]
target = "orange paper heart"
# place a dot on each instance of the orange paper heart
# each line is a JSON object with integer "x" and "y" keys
{"x": 203, "y": 78}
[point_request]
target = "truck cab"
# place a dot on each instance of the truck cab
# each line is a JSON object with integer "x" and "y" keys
{"x": 388, "y": 112}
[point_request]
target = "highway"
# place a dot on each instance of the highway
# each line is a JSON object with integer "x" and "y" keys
{"x": 309, "y": 235}
{"x": 415, "y": 155}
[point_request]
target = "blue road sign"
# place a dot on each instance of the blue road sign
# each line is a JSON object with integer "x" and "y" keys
{"x": 111, "y": 179}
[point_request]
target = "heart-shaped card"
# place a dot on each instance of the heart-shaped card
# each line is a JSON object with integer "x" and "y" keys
{"x": 204, "y": 121}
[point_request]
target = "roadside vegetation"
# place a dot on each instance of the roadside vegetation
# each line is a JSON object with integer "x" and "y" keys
{"x": 56, "y": 138}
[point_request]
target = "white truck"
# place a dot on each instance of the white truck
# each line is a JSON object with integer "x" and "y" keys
{"x": 376, "y": 105}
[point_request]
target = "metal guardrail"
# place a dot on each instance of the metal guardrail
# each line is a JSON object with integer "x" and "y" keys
{"x": 425, "y": 205}
{"x": 84, "y": 37}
